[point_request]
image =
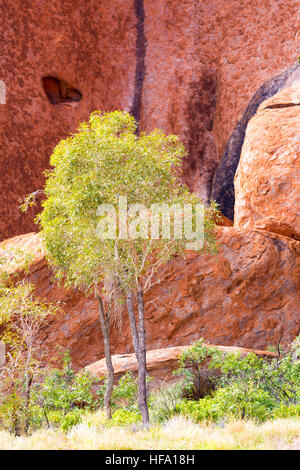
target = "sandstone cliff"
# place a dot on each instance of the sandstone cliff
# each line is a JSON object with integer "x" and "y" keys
{"x": 220, "y": 74}
{"x": 186, "y": 66}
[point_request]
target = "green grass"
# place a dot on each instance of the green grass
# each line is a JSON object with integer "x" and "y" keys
{"x": 178, "y": 433}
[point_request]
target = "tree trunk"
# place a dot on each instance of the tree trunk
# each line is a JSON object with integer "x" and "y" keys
{"x": 142, "y": 359}
{"x": 105, "y": 326}
{"x": 29, "y": 378}
{"x": 134, "y": 332}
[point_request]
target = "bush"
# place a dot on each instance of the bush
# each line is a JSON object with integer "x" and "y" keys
{"x": 203, "y": 410}
{"x": 124, "y": 395}
{"x": 287, "y": 411}
{"x": 64, "y": 396}
{"x": 197, "y": 379}
{"x": 257, "y": 404}
{"x": 278, "y": 377}
{"x": 248, "y": 387}
{"x": 21, "y": 318}
{"x": 70, "y": 420}
{"x": 229, "y": 403}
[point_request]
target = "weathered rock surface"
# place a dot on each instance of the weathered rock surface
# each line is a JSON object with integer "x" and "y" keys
{"x": 267, "y": 182}
{"x": 204, "y": 61}
{"x": 90, "y": 46}
{"x": 239, "y": 297}
{"x": 160, "y": 362}
{"x": 222, "y": 189}
{"x": 190, "y": 67}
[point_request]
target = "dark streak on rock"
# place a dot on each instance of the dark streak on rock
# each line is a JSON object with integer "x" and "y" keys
{"x": 141, "y": 45}
{"x": 223, "y": 186}
{"x": 282, "y": 105}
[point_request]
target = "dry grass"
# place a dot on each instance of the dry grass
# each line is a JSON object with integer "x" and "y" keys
{"x": 179, "y": 434}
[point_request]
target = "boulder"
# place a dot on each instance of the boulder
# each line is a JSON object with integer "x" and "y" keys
{"x": 267, "y": 182}
{"x": 160, "y": 362}
{"x": 222, "y": 189}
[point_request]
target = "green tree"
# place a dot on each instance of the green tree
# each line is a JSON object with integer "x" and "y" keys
{"x": 21, "y": 318}
{"x": 96, "y": 217}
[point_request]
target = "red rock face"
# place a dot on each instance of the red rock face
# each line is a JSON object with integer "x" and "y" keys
{"x": 188, "y": 67}
{"x": 202, "y": 63}
{"x": 239, "y": 297}
{"x": 90, "y": 46}
{"x": 267, "y": 182}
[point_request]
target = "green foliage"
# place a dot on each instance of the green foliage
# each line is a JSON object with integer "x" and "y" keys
{"x": 278, "y": 377}
{"x": 124, "y": 394}
{"x": 18, "y": 414}
{"x": 164, "y": 401}
{"x": 11, "y": 261}
{"x": 234, "y": 402}
{"x": 287, "y": 411}
{"x": 21, "y": 318}
{"x": 248, "y": 387}
{"x": 102, "y": 161}
{"x": 58, "y": 399}
{"x": 125, "y": 417}
{"x": 230, "y": 403}
{"x": 12, "y": 412}
{"x": 22, "y": 315}
{"x": 71, "y": 419}
{"x": 67, "y": 393}
{"x": 193, "y": 368}
{"x": 206, "y": 409}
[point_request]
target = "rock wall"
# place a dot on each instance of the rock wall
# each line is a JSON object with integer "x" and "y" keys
{"x": 186, "y": 66}
{"x": 204, "y": 61}
{"x": 242, "y": 297}
{"x": 91, "y": 46}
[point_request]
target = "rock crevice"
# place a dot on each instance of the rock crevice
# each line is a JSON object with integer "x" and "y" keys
{"x": 141, "y": 46}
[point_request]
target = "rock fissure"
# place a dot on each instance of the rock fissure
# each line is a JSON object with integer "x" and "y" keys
{"x": 140, "y": 70}
{"x": 282, "y": 105}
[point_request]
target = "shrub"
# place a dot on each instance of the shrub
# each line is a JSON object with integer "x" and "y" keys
{"x": 278, "y": 377}
{"x": 163, "y": 402}
{"x": 21, "y": 318}
{"x": 71, "y": 419}
{"x": 67, "y": 395}
{"x": 249, "y": 387}
{"x": 205, "y": 409}
{"x": 287, "y": 411}
{"x": 124, "y": 394}
{"x": 198, "y": 380}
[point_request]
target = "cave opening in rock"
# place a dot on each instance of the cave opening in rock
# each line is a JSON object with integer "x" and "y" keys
{"x": 58, "y": 91}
